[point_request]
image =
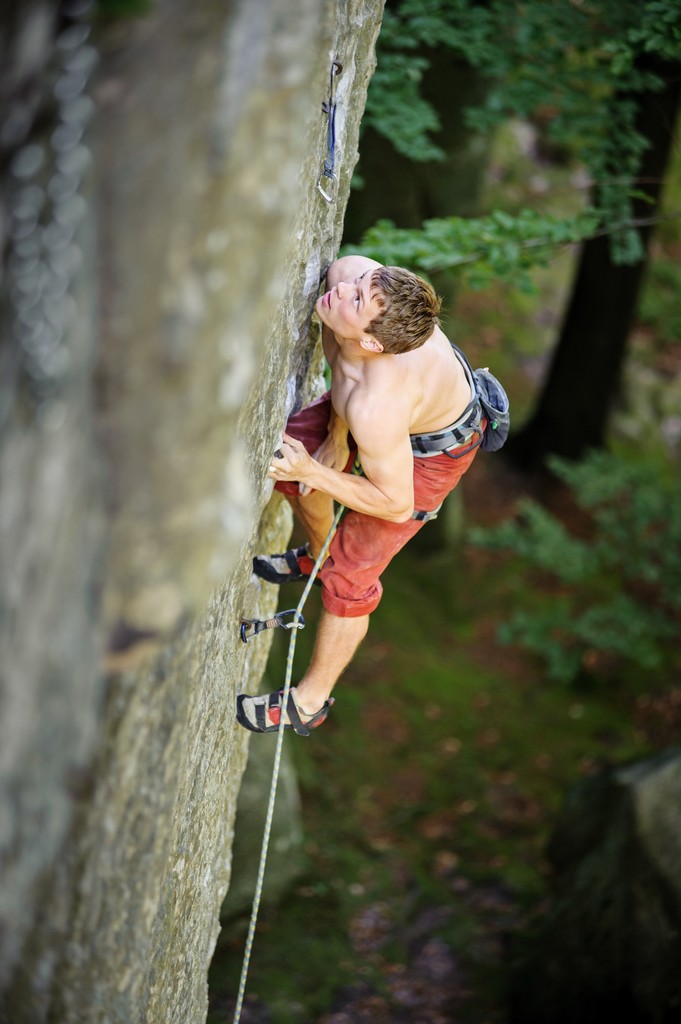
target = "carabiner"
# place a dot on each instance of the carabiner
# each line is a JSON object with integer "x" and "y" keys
{"x": 329, "y": 108}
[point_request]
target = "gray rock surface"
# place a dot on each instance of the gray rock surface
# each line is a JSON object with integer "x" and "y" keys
{"x": 609, "y": 946}
{"x": 155, "y": 311}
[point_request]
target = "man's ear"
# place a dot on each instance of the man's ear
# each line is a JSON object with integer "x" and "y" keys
{"x": 370, "y": 343}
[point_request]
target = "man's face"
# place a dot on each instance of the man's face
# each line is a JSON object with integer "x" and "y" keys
{"x": 349, "y": 308}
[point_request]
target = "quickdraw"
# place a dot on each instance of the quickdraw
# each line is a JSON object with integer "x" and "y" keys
{"x": 250, "y": 628}
{"x": 329, "y": 108}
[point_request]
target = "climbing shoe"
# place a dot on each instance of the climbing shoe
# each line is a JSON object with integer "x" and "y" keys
{"x": 293, "y": 566}
{"x": 263, "y": 714}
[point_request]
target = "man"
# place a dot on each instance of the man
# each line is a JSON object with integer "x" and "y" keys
{"x": 402, "y": 402}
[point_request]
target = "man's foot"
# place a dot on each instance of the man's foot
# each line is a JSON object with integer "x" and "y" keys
{"x": 293, "y": 566}
{"x": 263, "y": 714}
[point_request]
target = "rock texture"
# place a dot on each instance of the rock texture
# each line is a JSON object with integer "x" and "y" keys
{"x": 165, "y": 243}
{"x": 610, "y": 945}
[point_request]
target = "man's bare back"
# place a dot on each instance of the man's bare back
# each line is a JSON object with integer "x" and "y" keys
{"x": 429, "y": 383}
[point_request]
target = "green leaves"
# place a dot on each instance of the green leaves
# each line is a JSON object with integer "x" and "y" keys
{"x": 613, "y": 596}
{"x": 579, "y": 68}
{"x": 397, "y": 109}
{"x": 480, "y": 249}
{"x": 659, "y": 30}
{"x": 536, "y": 536}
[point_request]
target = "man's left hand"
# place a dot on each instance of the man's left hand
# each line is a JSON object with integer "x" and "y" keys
{"x": 292, "y": 461}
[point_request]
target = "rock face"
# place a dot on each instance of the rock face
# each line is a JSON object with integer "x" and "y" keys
{"x": 165, "y": 243}
{"x": 610, "y": 945}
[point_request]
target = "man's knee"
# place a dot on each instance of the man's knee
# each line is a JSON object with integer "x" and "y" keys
{"x": 343, "y": 600}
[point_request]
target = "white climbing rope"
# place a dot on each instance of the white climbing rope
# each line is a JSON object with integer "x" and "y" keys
{"x": 277, "y": 762}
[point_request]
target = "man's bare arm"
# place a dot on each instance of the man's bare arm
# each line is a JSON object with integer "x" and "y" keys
{"x": 386, "y": 489}
{"x": 361, "y": 493}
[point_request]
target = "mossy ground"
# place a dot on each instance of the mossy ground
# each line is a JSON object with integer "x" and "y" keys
{"x": 428, "y": 797}
{"x": 429, "y": 794}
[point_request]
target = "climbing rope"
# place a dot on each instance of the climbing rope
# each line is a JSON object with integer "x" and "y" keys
{"x": 297, "y": 621}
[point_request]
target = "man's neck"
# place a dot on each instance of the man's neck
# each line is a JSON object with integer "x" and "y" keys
{"x": 352, "y": 351}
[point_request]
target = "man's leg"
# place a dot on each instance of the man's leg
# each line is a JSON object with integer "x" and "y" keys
{"x": 336, "y": 642}
{"x": 315, "y": 513}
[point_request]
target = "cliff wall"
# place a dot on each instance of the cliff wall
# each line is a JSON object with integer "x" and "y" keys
{"x": 163, "y": 246}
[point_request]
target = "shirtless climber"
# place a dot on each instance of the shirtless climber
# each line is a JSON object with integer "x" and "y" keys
{"x": 402, "y": 401}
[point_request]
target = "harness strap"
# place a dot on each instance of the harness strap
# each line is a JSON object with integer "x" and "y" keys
{"x": 292, "y": 712}
{"x": 458, "y": 434}
{"x": 451, "y": 454}
{"x": 425, "y": 517}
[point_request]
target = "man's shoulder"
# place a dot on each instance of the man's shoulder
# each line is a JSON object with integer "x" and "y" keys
{"x": 389, "y": 377}
{"x": 380, "y": 403}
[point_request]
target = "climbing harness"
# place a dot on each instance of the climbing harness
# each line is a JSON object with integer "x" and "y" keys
{"x": 329, "y": 108}
{"x": 293, "y": 626}
{"x": 250, "y": 628}
{"x": 485, "y": 421}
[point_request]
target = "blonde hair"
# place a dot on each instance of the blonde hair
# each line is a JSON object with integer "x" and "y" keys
{"x": 410, "y": 309}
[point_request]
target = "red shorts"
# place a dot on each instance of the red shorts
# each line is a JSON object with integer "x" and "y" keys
{"x": 364, "y": 545}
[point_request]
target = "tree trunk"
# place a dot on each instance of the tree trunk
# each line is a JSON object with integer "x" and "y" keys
{"x": 409, "y": 191}
{"x": 573, "y": 409}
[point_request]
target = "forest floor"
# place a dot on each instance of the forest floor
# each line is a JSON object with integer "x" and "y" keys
{"x": 428, "y": 797}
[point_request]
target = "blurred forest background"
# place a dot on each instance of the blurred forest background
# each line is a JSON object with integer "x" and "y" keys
{"x": 488, "y": 828}
{"x": 524, "y": 157}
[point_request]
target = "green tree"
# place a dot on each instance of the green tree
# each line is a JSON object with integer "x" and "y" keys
{"x": 572, "y": 412}
{"x": 603, "y": 81}
{"x": 614, "y": 587}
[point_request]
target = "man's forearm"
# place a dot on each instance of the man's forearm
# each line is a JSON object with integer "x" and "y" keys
{"x": 358, "y": 493}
